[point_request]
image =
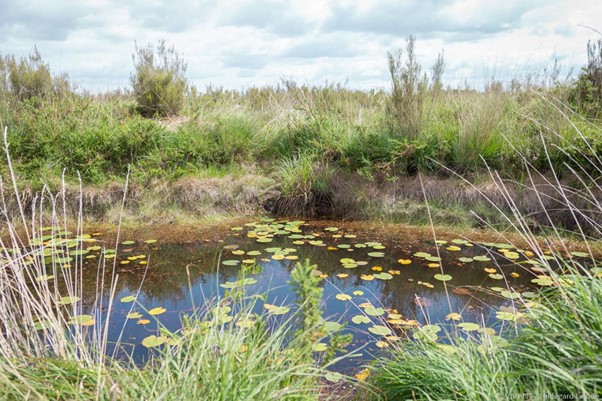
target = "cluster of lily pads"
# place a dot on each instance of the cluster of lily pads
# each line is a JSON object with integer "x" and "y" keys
{"x": 58, "y": 247}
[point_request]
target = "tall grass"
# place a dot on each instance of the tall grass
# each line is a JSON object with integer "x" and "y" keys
{"x": 54, "y": 332}
{"x": 557, "y": 354}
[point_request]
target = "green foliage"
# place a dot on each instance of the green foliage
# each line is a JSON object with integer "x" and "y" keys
{"x": 410, "y": 89}
{"x": 588, "y": 88}
{"x": 159, "y": 83}
{"x": 30, "y": 77}
{"x": 557, "y": 354}
{"x": 306, "y": 284}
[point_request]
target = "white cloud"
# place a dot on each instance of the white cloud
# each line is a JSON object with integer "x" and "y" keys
{"x": 242, "y": 43}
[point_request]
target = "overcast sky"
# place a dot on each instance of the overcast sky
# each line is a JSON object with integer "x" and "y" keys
{"x": 243, "y": 43}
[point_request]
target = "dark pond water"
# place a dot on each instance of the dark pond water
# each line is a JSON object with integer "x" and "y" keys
{"x": 402, "y": 277}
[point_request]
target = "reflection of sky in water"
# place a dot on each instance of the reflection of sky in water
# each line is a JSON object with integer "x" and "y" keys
{"x": 168, "y": 284}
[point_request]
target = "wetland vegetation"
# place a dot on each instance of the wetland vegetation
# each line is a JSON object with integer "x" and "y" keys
{"x": 493, "y": 292}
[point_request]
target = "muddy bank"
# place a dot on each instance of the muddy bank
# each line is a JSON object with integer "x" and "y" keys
{"x": 450, "y": 201}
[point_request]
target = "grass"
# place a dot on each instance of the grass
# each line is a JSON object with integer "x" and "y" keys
{"x": 54, "y": 343}
{"x": 554, "y": 341}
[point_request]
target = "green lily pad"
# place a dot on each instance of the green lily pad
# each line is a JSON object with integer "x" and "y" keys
{"x": 442, "y": 277}
{"x": 129, "y": 242}
{"x": 333, "y": 377}
{"x": 231, "y": 262}
{"x": 427, "y": 332}
{"x": 81, "y": 319}
{"x": 129, "y": 298}
{"x": 134, "y": 315}
{"x": 383, "y": 276}
{"x": 380, "y": 330}
{"x": 467, "y": 326}
{"x": 68, "y": 300}
{"x": 465, "y": 260}
{"x": 422, "y": 255}
{"x": 496, "y": 276}
{"x": 359, "y": 319}
{"x": 372, "y": 311}
{"x": 153, "y": 341}
{"x": 510, "y": 294}
{"x": 376, "y": 254}
{"x": 482, "y": 258}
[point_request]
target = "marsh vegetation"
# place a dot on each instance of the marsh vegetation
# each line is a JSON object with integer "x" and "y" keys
{"x": 513, "y": 310}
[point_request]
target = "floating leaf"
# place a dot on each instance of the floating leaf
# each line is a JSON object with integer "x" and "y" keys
{"x": 129, "y": 242}
{"x": 496, "y": 276}
{"x": 442, "y": 277}
{"x": 453, "y": 316}
{"x": 482, "y": 258}
{"x": 157, "y": 311}
{"x": 422, "y": 255}
{"x": 332, "y": 327}
{"x": 359, "y": 319}
{"x": 363, "y": 375}
{"x": 358, "y": 293}
{"x": 380, "y": 330}
{"x": 466, "y": 326}
{"x": 383, "y": 276}
{"x": 84, "y": 320}
{"x": 404, "y": 261}
{"x": 343, "y": 297}
{"x": 342, "y": 275}
{"x": 153, "y": 341}
{"x": 143, "y": 321}
{"x": 580, "y": 254}
{"x": 129, "y": 298}
{"x": 427, "y": 332}
{"x": 150, "y": 241}
{"x": 372, "y": 311}
{"x": 510, "y": 294}
{"x": 465, "y": 260}
{"x": 279, "y": 310}
{"x": 134, "y": 315}
{"x": 433, "y": 258}
{"x": 490, "y": 270}
{"x": 367, "y": 277}
{"x": 68, "y": 300}
{"x": 453, "y": 248}
{"x": 376, "y": 254}
{"x": 231, "y": 262}
{"x": 44, "y": 277}
{"x": 333, "y": 377}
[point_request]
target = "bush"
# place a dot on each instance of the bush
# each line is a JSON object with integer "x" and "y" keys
{"x": 30, "y": 77}
{"x": 159, "y": 84}
{"x": 410, "y": 89}
{"x": 589, "y": 84}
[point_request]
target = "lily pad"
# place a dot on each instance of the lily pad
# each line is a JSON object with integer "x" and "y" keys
{"x": 129, "y": 298}
{"x": 343, "y": 297}
{"x": 383, "y": 276}
{"x": 373, "y": 311}
{"x": 157, "y": 311}
{"x": 380, "y": 330}
{"x": 68, "y": 300}
{"x": 153, "y": 341}
{"x": 467, "y": 326}
{"x": 359, "y": 319}
{"x": 231, "y": 262}
{"x": 442, "y": 277}
{"x": 376, "y": 254}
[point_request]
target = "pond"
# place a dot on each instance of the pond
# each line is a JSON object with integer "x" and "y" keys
{"x": 377, "y": 288}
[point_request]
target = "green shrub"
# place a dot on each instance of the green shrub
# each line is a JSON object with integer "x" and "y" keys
{"x": 159, "y": 84}
{"x": 410, "y": 89}
{"x": 30, "y": 77}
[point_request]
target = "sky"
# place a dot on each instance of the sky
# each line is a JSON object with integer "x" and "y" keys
{"x": 237, "y": 44}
